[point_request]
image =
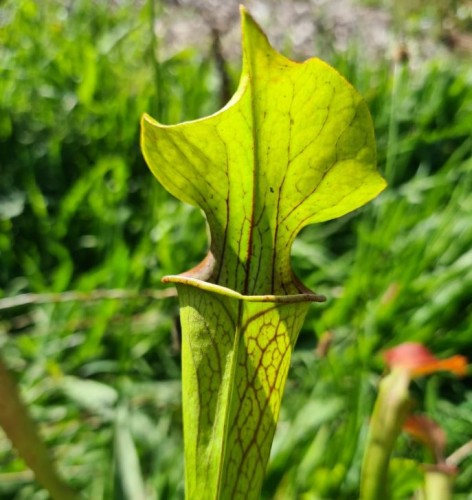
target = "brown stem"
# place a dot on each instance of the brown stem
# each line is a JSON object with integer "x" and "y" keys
{"x": 23, "y": 434}
{"x": 75, "y": 295}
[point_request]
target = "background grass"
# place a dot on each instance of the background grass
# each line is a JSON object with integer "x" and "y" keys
{"x": 80, "y": 211}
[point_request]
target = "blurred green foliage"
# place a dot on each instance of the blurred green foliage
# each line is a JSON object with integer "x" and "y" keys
{"x": 79, "y": 210}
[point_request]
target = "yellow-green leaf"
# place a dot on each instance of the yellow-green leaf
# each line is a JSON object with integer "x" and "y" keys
{"x": 294, "y": 146}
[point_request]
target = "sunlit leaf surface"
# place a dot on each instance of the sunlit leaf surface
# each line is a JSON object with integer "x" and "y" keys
{"x": 294, "y": 146}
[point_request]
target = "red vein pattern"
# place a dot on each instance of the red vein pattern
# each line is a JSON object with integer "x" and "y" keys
{"x": 293, "y": 147}
{"x": 234, "y": 386}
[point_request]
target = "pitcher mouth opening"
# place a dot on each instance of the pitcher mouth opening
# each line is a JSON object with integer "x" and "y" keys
{"x": 202, "y": 275}
{"x": 182, "y": 279}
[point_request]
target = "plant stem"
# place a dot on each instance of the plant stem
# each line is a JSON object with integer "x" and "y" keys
{"x": 23, "y": 434}
{"x": 437, "y": 484}
{"x": 388, "y": 417}
{"x": 79, "y": 296}
{"x": 154, "y": 48}
{"x": 399, "y": 70}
